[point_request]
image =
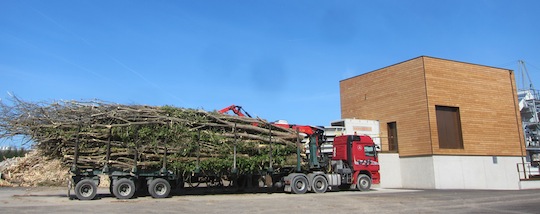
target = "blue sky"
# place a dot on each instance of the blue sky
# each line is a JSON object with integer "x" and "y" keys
{"x": 277, "y": 59}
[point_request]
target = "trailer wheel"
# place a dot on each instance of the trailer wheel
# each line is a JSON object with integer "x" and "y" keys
{"x": 299, "y": 185}
{"x": 86, "y": 189}
{"x": 319, "y": 185}
{"x": 159, "y": 188}
{"x": 363, "y": 182}
{"x": 123, "y": 188}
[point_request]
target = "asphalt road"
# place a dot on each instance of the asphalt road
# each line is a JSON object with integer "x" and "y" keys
{"x": 54, "y": 200}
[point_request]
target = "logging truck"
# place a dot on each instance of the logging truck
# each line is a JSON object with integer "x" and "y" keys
{"x": 159, "y": 150}
{"x": 353, "y": 164}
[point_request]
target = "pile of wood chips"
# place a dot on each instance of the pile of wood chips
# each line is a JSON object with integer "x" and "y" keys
{"x": 34, "y": 170}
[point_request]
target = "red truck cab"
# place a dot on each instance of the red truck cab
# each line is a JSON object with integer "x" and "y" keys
{"x": 355, "y": 158}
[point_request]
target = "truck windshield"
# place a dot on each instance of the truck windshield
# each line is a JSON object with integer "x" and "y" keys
{"x": 370, "y": 151}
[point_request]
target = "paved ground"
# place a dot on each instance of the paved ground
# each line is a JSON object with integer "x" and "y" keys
{"x": 54, "y": 200}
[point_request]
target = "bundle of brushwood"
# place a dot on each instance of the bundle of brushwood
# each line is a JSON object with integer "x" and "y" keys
{"x": 92, "y": 134}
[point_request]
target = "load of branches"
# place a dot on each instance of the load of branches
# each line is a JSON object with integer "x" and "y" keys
{"x": 94, "y": 134}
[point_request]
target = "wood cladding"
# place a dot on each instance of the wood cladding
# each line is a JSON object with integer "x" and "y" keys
{"x": 407, "y": 93}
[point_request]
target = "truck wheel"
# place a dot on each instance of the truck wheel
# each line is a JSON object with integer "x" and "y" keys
{"x": 159, "y": 188}
{"x": 299, "y": 185}
{"x": 363, "y": 182}
{"x": 320, "y": 184}
{"x": 124, "y": 188}
{"x": 86, "y": 189}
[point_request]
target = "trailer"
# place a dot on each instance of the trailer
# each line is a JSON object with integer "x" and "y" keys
{"x": 353, "y": 164}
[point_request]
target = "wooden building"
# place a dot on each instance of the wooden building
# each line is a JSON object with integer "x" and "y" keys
{"x": 444, "y": 124}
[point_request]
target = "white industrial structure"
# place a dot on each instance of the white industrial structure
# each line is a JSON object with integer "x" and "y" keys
{"x": 349, "y": 127}
{"x": 529, "y": 106}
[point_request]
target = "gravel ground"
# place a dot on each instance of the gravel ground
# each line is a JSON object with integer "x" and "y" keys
{"x": 55, "y": 200}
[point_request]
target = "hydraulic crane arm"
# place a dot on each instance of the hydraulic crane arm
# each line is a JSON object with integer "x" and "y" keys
{"x": 238, "y": 110}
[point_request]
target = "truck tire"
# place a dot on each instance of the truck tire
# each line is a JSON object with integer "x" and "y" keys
{"x": 299, "y": 185}
{"x": 86, "y": 189}
{"x": 319, "y": 184}
{"x": 159, "y": 188}
{"x": 123, "y": 188}
{"x": 363, "y": 182}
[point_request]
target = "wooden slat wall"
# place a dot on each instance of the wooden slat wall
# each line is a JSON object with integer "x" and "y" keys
{"x": 486, "y": 98}
{"x": 408, "y": 92}
{"x": 394, "y": 93}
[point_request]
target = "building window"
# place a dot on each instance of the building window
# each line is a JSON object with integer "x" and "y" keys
{"x": 449, "y": 127}
{"x": 392, "y": 137}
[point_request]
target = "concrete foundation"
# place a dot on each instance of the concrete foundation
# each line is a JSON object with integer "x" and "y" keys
{"x": 451, "y": 172}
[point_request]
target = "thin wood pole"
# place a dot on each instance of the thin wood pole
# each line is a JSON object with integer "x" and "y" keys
{"x": 198, "y": 151}
{"x": 235, "y": 142}
{"x": 270, "y": 165}
{"x": 76, "y": 155}
{"x": 298, "y": 157}
{"x": 108, "y": 157}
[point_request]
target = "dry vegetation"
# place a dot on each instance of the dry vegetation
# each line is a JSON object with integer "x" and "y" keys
{"x": 146, "y": 137}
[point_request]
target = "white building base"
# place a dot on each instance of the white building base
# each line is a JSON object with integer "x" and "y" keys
{"x": 390, "y": 170}
{"x": 529, "y": 184}
{"x": 450, "y": 172}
